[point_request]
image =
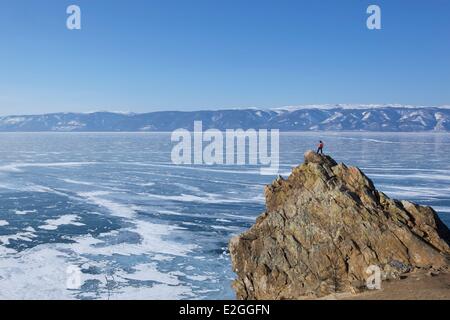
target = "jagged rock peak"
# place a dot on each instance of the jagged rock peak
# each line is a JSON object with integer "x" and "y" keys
{"x": 324, "y": 226}
{"x": 312, "y": 157}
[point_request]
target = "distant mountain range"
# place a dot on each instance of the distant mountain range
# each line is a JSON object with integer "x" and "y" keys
{"x": 396, "y": 118}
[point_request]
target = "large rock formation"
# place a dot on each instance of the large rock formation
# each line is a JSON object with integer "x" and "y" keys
{"x": 324, "y": 226}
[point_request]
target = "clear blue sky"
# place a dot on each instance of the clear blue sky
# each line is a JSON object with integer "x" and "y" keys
{"x": 158, "y": 55}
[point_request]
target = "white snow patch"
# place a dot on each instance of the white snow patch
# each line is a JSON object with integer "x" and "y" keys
{"x": 24, "y": 212}
{"x": 3, "y": 223}
{"x": 69, "y": 219}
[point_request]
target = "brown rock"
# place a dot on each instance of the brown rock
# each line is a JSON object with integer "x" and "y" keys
{"x": 324, "y": 226}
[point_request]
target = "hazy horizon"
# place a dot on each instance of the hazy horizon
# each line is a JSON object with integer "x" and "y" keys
{"x": 289, "y": 107}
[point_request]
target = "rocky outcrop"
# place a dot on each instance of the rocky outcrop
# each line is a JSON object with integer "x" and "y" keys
{"x": 324, "y": 226}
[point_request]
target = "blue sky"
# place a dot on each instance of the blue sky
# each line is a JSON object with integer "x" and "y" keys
{"x": 183, "y": 55}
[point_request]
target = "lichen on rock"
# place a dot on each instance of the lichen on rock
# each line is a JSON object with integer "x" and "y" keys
{"x": 324, "y": 226}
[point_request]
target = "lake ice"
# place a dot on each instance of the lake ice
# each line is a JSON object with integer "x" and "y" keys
{"x": 139, "y": 227}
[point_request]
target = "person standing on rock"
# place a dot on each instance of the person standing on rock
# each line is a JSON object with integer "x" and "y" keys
{"x": 320, "y": 147}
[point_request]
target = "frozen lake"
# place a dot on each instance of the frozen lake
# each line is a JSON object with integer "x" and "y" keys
{"x": 138, "y": 227}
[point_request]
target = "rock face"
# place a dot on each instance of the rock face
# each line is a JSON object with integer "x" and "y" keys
{"x": 324, "y": 226}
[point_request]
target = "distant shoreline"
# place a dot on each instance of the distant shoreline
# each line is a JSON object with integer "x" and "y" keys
{"x": 290, "y": 119}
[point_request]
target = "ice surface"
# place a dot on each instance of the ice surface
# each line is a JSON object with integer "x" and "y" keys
{"x": 139, "y": 227}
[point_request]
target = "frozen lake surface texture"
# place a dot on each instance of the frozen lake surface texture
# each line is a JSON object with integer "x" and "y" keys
{"x": 138, "y": 227}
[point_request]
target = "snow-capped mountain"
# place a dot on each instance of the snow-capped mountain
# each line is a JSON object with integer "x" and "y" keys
{"x": 300, "y": 118}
